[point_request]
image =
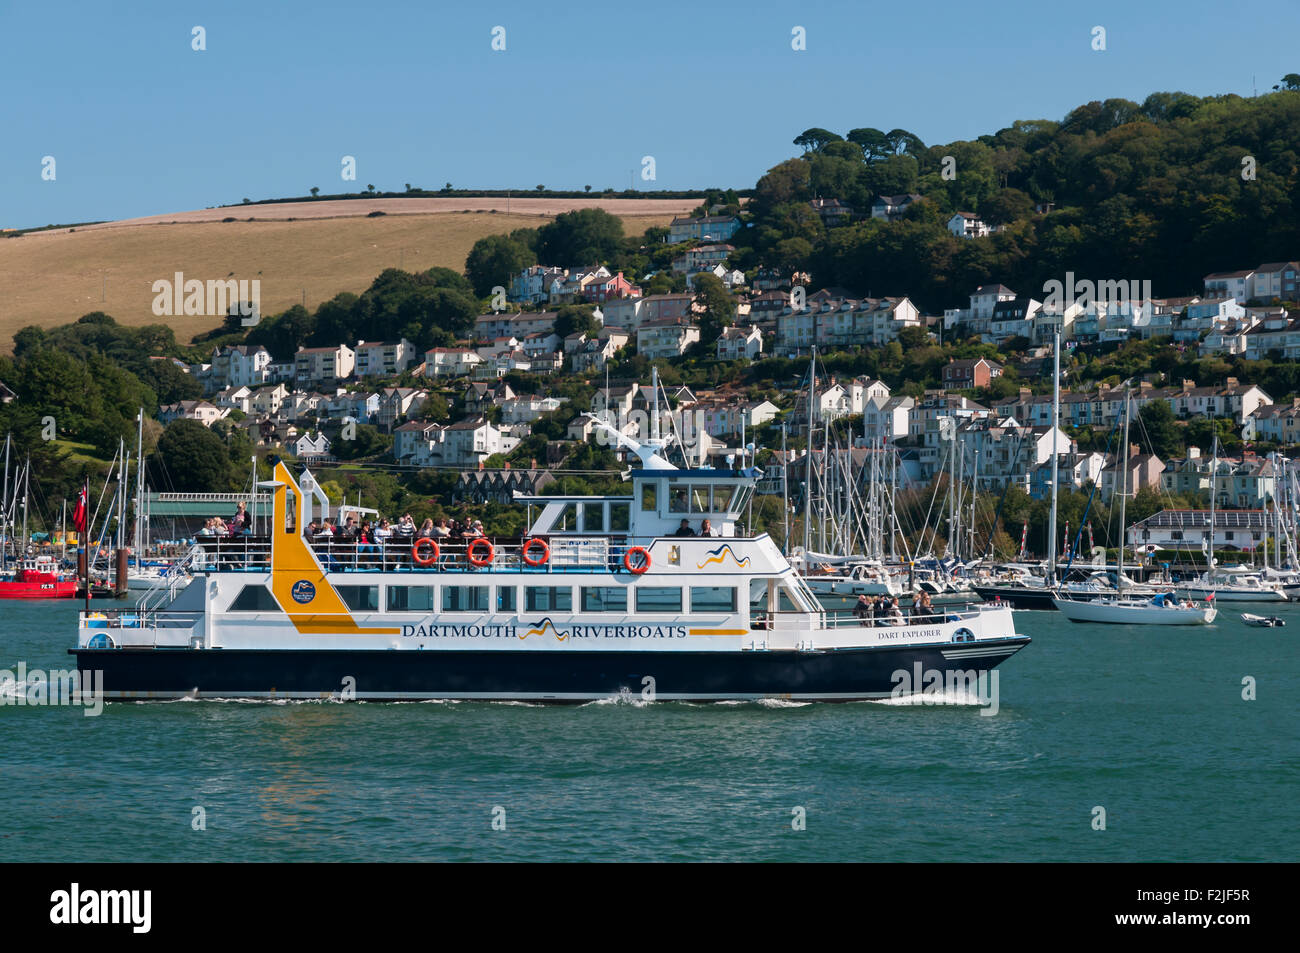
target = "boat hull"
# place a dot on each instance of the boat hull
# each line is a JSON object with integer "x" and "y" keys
{"x": 62, "y": 589}
{"x": 821, "y": 675}
{"x": 1018, "y": 597}
{"x": 1109, "y": 612}
{"x": 1231, "y": 595}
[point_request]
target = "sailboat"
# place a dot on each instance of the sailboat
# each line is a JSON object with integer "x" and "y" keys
{"x": 1159, "y": 609}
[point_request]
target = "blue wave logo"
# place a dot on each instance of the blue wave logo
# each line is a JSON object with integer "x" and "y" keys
{"x": 541, "y": 628}
{"x": 719, "y": 555}
{"x": 303, "y": 591}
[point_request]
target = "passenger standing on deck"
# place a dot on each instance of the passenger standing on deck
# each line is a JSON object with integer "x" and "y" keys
{"x": 921, "y": 607}
{"x": 862, "y": 610}
{"x": 239, "y": 520}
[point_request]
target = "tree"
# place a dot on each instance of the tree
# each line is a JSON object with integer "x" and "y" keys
{"x": 587, "y": 188}
{"x": 370, "y": 188}
{"x": 581, "y": 237}
{"x": 1158, "y": 422}
{"x": 719, "y": 307}
{"x": 573, "y": 318}
{"x": 812, "y": 140}
{"x": 493, "y": 261}
{"x": 1291, "y": 81}
{"x": 190, "y": 459}
{"x": 874, "y": 143}
{"x": 315, "y": 191}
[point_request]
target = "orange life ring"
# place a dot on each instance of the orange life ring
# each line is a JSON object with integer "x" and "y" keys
{"x": 416, "y": 550}
{"x": 546, "y": 551}
{"x": 645, "y": 557}
{"x": 473, "y": 544}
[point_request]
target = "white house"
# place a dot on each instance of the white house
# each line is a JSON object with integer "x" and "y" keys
{"x": 968, "y": 225}
{"x": 735, "y": 343}
{"x": 383, "y": 358}
{"x": 450, "y": 361}
{"x": 666, "y": 338}
{"x": 239, "y": 365}
{"x": 317, "y": 365}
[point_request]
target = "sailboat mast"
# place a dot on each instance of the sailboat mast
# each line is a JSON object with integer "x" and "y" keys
{"x": 785, "y": 493}
{"x": 4, "y": 509}
{"x": 808, "y": 452}
{"x": 139, "y": 487}
{"x": 27, "y": 488}
{"x": 1214, "y": 474}
{"x": 1123, "y": 496}
{"x": 1056, "y": 423}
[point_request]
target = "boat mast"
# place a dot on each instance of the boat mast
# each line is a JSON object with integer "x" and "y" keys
{"x": 1214, "y": 473}
{"x": 808, "y": 458}
{"x": 1056, "y": 423}
{"x": 1123, "y": 497}
{"x": 785, "y": 493}
{"x": 27, "y": 487}
{"x": 4, "y": 509}
{"x": 139, "y": 487}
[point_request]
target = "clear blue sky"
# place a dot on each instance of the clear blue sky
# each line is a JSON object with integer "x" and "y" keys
{"x": 141, "y": 124}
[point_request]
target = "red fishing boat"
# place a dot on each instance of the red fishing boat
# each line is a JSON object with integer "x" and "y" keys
{"x": 38, "y": 577}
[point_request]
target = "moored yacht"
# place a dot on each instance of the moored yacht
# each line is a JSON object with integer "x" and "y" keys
{"x": 603, "y": 596}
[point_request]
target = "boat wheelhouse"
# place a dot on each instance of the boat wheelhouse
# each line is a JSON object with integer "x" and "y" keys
{"x": 602, "y": 596}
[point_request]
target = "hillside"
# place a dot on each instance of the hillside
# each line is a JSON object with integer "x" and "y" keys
{"x": 311, "y": 249}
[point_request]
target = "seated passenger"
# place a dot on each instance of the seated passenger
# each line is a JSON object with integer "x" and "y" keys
{"x": 706, "y": 529}
{"x": 685, "y": 529}
{"x": 678, "y": 503}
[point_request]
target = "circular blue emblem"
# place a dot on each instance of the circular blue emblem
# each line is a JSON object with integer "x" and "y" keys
{"x": 303, "y": 591}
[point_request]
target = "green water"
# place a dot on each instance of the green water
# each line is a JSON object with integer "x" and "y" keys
{"x": 1150, "y": 725}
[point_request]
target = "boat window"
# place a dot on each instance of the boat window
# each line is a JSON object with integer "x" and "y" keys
{"x": 567, "y": 521}
{"x": 648, "y": 496}
{"x": 620, "y": 517}
{"x": 593, "y": 517}
{"x": 722, "y": 494}
{"x": 507, "y": 598}
{"x": 465, "y": 599}
{"x": 678, "y": 503}
{"x": 360, "y": 598}
{"x": 604, "y": 599}
{"x": 548, "y": 599}
{"x": 713, "y": 599}
{"x": 290, "y": 510}
{"x": 742, "y": 499}
{"x": 410, "y": 598}
{"x": 254, "y": 599}
{"x": 658, "y": 599}
{"x": 700, "y": 499}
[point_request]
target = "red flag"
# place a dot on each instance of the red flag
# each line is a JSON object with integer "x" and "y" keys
{"x": 1209, "y": 596}
{"x": 79, "y": 513}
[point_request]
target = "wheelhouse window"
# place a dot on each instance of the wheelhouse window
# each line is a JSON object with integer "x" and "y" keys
{"x": 713, "y": 599}
{"x": 593, "y": 517}
{"x": 648, "y": 495}
{"x": 254, "y": 599}
{"x": 548, "y": 598}
{"x": 360, "y": 598}
{"x": 410, "y": 598}
{"x": 658, "y": 599}
{"x": 620, "y": 517}
{"x": 465, "y": 599}
{"x": 604, "y": 599}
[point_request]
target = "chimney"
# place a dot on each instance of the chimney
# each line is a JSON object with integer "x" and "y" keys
{"x": 1025, "y": 393}
{"x": 480, "y": 465}
{"x": 1145, "y": 386}
{"x": 532, "y": 464}
{"x": 1188, "y": 385}
{"x": 1134, "y": 451}
{"x": 1193, "y": 453}
{"x": 1232, "y": 382}
{"x": 507, "y": 464}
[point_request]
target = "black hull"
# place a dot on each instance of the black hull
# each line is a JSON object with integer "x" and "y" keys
{"x": 1020, "y": 597}
{"x": 840, "y": 674}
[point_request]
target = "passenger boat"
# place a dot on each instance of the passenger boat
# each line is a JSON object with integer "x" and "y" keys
{"x": 601, "y": 598}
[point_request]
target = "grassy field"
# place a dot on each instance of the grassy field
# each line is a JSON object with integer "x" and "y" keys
{"x": 55, "y": 277}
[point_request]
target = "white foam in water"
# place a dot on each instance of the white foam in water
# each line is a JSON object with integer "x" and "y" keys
{"x": 945, "y": 697}
{"x": 782, "y": 703}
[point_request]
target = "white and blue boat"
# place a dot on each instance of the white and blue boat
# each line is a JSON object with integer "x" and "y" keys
{"x": 600, "y": 598}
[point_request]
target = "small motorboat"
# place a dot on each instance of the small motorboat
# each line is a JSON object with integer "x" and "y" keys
{"x": 1262, "y": 621}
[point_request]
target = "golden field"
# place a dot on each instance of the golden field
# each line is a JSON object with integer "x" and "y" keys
{"x": 52, "y": 278}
